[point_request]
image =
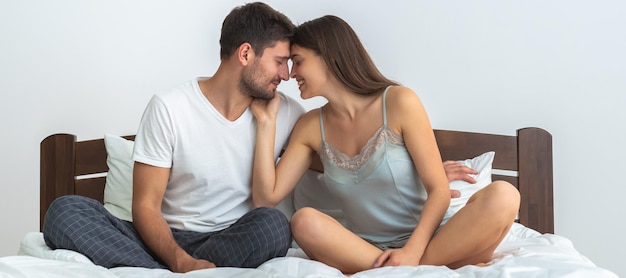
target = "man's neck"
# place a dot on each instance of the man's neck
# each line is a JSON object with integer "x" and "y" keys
{"x": 222, "y": 91}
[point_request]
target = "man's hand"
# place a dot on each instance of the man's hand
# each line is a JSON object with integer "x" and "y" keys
{"x": 188, "y": 263}
{"x": 457, "y": 171}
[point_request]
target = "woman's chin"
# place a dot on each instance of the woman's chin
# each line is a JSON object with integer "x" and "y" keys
{"x": 306, "y": 94}
{"x": 303, "y": 96}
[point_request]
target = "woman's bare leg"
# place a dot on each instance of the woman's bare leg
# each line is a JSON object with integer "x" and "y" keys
{"x": 324, "y": 239}
{"x": 474, "y": 232}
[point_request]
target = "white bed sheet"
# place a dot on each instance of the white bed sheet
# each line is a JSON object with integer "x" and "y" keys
{"x": 523, "y": 253}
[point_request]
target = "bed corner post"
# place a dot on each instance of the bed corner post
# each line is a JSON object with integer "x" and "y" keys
{"x": 535, "y": 179}
{"x": 56, "y": 176}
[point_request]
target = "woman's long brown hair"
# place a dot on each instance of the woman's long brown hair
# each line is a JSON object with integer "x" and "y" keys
{"x": 337, "y": 43}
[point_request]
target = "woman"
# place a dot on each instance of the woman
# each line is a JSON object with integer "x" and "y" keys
{"x": 373, "y": 137}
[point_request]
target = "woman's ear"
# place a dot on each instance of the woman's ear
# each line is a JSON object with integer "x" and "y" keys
{"x": 245, "y": 53}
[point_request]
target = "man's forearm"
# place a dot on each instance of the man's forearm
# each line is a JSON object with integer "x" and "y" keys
{"x": 157, "y": 235}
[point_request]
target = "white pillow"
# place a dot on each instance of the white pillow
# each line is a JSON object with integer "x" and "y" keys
{"x": 482, "y": 165}
{"x": 118, "y": 190}
{"x": 34, "y": 245}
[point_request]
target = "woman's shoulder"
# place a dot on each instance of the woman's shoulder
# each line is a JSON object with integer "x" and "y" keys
{"x": 306, "y": 127}
{"x": 312, "y": 114}
{"x": 401, "y": 96}
{"x": 309, "y": 118}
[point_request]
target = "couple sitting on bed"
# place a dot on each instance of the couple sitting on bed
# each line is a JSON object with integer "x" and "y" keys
{"x": 200, "y": 146}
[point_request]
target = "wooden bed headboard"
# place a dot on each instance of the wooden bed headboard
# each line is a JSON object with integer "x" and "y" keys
{"x": 68, "y": 166}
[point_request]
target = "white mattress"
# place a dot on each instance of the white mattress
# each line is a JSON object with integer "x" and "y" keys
{"x": 523, "y": 253}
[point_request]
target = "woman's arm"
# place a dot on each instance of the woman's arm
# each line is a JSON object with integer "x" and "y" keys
{"x": 271, "y": 182}
{"x": 408, "y": 117}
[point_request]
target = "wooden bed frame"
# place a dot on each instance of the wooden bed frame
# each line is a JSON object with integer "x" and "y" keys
{"x": 76, "y": 167}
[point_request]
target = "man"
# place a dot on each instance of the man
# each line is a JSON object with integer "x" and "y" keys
{"x": 193, "y": 155}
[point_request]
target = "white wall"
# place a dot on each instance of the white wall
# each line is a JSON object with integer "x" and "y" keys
{"x": 89, "y": 67}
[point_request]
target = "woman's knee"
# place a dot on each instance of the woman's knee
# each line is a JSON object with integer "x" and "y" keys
{"x": 306, "y": 223}
{"x": 500, "y": 196}
{"x": 507, "y": 193}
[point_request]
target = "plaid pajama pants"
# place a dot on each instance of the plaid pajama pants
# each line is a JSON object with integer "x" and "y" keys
{"x": 84, "y": 225}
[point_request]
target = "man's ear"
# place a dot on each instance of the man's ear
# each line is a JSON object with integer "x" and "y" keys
{"x": 245, "y": 53}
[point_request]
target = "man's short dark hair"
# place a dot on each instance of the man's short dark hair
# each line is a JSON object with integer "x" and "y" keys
{"x": 257, "y": 24}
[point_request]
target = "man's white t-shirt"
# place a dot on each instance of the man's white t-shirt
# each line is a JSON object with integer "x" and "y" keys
{"x": 210, "y": 157}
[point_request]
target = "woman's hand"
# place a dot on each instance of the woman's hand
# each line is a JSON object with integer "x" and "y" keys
{"x": 265, "y": 110}
{"x": 396, "y": 257}
{"x": 264, "y": 171}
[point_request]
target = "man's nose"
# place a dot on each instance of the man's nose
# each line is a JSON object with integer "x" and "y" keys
{"x": 292, "y": 73}
{"x": 283, "y": 73}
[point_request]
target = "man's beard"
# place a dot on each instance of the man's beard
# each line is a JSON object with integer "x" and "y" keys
{"x": 249, "y": 84}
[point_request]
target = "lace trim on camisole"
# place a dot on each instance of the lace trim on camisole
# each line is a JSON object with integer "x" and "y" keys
{"x": 384, "y": 134}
